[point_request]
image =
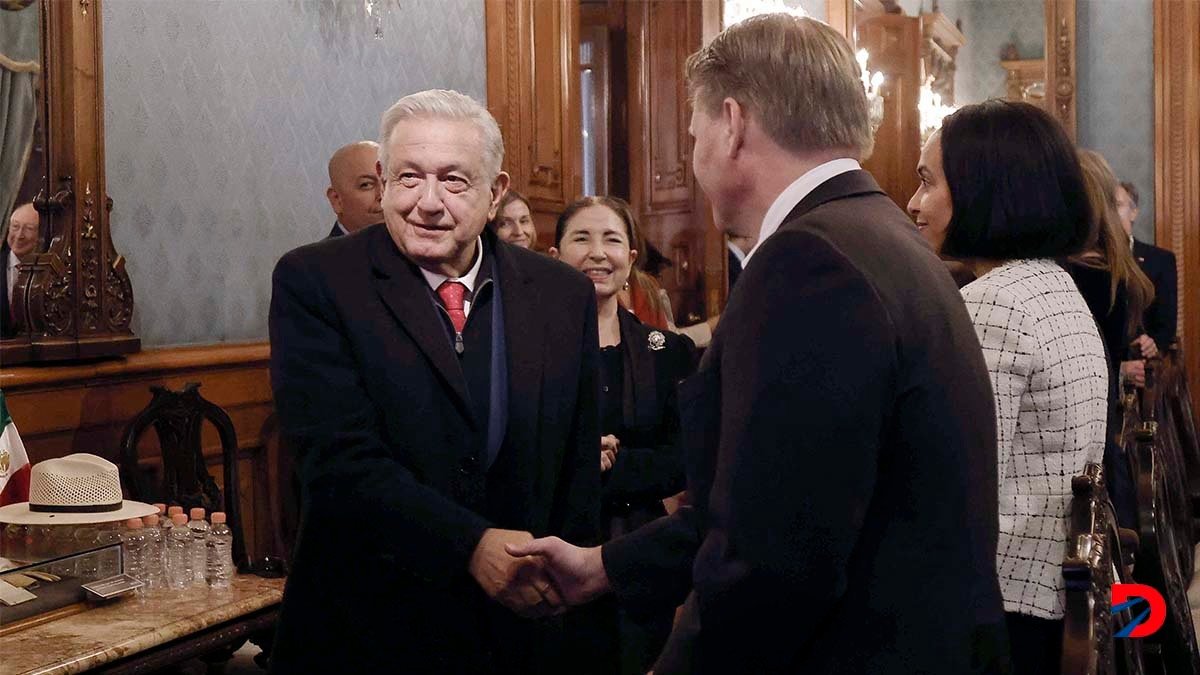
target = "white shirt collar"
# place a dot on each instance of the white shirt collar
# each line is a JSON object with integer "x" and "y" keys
{"x": 338, "y": 224}
{"x": 737, "y": 252}
{"x": 434, "y": 279}
{"x": 13, "y": 260}
{"x": 794, "y": 194}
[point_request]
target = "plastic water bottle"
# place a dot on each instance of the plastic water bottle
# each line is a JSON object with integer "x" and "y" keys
{"x": 156, "y": 562}
{"x": 179, "y": 554}
{"x": 133, "y": 548}
{"x": 199, "y": 527}
{"x": 220, "y": 552}
{"x": 107, "y": 535}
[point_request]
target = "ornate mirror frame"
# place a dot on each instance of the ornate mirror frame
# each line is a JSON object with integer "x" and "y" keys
{"x": 73, "y": 301}
{"x": 1060, "y": 52}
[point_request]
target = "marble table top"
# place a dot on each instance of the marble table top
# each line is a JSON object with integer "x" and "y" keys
{"x": 130, "y": 625}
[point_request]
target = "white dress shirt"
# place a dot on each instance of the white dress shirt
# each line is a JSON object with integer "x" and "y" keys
{"x": 11, "y": 272}
{"x": 794, "y": 194}
{"x": 434, "y": 279}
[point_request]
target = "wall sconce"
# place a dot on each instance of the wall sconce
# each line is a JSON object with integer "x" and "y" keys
{"x": 872, "y": 84}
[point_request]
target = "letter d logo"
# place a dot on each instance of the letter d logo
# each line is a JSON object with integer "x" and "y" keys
{"x": 1147, "y": 604}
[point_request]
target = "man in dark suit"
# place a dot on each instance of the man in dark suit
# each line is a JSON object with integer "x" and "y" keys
{"x": 842, "y": 468}
{"x": 1159, "y": 265}
{"x": 354, "y": 190}
{"x": 440, "y": 395}
{"x": 20, "y": 243}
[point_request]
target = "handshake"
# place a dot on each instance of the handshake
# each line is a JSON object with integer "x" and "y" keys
{"x": 536, "y": 577}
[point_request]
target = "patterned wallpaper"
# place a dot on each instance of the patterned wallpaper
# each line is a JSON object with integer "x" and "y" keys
{"x": 220, "y": 116}
{"x": 1115, "y": 60}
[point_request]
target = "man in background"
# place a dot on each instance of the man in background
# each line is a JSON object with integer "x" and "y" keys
{"x": 1159, "y": 265}
{"x": 354, "y": 190}
{"x": 19, "y": 246}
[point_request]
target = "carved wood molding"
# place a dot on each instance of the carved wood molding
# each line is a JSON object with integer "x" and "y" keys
{"x": 1177, "y": 161}
{"x": 1060, "y": 62}
{"x": 532, "y": 85}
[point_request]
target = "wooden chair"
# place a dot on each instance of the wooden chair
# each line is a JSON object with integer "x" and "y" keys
{"x": 177, "y": 418}
{"x": 1098, "y": 555}
{"x": 1158, "y": 561}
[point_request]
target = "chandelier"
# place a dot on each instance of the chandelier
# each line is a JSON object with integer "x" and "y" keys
{"x": 739, "y": 10}
{"x": 872, "y": 85}
{"x": 931, "y": 109}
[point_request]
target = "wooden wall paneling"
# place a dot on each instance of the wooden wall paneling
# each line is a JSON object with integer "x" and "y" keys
{"x": 85, "y": 408}
{"x": 1177, "y": 163}
{"x": 661, "y": 36}
{"x": 533, "y": 91}
{"x": 716, "y": 260}
{"x": 894, "y": 42}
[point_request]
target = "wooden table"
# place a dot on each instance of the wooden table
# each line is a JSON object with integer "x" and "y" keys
{"x": 141, "y": 634}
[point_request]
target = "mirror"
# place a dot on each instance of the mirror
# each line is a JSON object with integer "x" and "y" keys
{"x": 23, "y": 169}
{"x": 69, "y": 296}
{"x": 934, "y": 56}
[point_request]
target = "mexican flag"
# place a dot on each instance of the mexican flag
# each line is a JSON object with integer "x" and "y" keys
{"x": 14, "y": 463}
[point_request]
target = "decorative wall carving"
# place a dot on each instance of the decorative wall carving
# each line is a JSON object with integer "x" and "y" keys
{"x": 1177, "y": 162}
{"x": 1060, "y": 61}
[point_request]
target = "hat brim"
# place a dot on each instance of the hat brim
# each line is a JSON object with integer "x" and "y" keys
{"x": 19, "y": 514}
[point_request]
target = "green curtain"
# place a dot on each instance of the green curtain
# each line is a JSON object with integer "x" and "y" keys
{"x": 20, "y": 64}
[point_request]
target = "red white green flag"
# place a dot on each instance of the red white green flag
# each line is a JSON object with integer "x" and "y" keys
{"x": 14, "y": 463}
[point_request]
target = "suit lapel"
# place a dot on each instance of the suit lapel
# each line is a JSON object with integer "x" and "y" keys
{"x": 525, "y": 331}
{"x": 406, "y": 294}
{"x": 640, "y": 383}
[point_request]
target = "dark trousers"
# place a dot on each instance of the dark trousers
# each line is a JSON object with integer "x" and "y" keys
{"x": 1121, "y": 490}
{"x": 1035, "y": 644}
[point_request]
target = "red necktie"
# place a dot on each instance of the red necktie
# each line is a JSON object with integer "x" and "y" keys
{"x": 451, "y": 294}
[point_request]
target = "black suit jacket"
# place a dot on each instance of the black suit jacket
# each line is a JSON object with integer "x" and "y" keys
{"x": 371, "y": 395}
{"x": 8, "y": 326}
{"x": 1160, "y": 317}
{"x": 841, "y": 448}
{"x": 335, "y": 232}
{"x": 649, "y": 466}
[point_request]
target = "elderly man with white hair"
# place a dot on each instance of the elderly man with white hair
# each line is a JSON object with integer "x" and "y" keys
{"x": 440, "y": 398}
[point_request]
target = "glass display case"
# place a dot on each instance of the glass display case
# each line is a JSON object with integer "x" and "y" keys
{"x": 44, "y": 567}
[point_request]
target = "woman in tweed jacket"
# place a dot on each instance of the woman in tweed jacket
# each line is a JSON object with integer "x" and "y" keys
{"x": 1001, "y": 189}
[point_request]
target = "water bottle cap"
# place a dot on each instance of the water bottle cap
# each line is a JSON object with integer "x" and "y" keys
{"x": 197, "y": 513}
{"x": 179, "y": 519}
{"x": 162, "y": 508}
{"x": 134, "y": 523}
{"x": 218, "y": 517}
{"x": 174, "y": 509}
{"x": 151, "y": 520}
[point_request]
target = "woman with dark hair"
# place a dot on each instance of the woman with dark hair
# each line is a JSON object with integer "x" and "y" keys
{"x": 1001, "y": 190}
{"x": 640, "y": 460}
{"x": 514, "y": 220}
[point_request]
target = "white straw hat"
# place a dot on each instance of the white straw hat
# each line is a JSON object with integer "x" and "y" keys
{"x": 74, "y": 490}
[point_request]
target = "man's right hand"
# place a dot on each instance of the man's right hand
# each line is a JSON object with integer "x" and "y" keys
{"x": 519, "y": 583}
{"x": 578, "y": 573}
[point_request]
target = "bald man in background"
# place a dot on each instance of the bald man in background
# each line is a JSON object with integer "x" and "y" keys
{"x": 354, "y": 190}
